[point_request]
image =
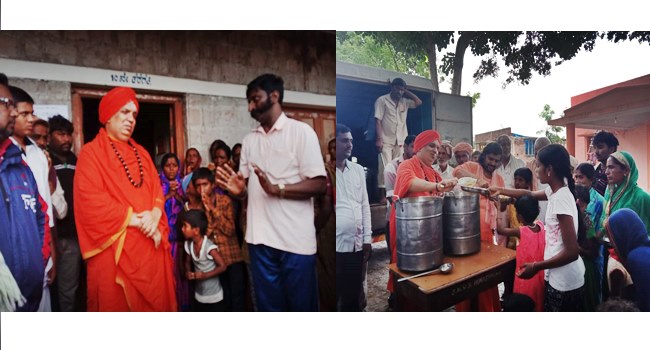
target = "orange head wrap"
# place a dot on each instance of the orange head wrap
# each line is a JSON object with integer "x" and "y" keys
{"x": 463, "y": 147}
{"x": 114, "y": 100}
{"x": 424, "y": 138}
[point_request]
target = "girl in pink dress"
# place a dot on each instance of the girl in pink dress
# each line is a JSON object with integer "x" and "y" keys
{"x": 531, "y": 248}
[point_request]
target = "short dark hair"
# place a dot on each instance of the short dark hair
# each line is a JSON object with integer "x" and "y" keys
{"x": 20, "y": 95}
{"x": 398, "y": 82}
{"x": 58, "y": 123}
{"x": 342, "y": 129}
{"x": 617, "y": 305}
{"x": 214, "y": 145}
{"x": 268, "y": 83}
{"x": 587, "y": 170}
{"x": 490, "y": 148}
{"x": 226, "y": 149}
{"x": 517, "y": 302}
{"x": 582, "y": 193}
{"x": 528, "y": 208}
{"x": 525, "y": 174}
{"x": 237, "y": 145}
{"x": 4, "y": 80}
{"x": 409, "y": 139}
{"x": 202, "y": 173}
{"x": 196, "y": 218}
{"x": 42, "y": 122}
{"x": 166, "y": 157}
{"x": 605, "y": 137}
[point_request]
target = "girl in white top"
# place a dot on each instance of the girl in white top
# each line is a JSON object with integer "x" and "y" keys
{"x": 565, "y": 270}
{"x": 208, "y": 264}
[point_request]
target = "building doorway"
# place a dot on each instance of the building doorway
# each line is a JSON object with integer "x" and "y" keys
{"x": 323, "y": 121}
{"x": 159, "y": 127}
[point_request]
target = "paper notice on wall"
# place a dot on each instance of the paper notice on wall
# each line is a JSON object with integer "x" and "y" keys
{"x": 48, "y": 111}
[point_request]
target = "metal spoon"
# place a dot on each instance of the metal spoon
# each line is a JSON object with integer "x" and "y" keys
{"x": 445, "y": 269}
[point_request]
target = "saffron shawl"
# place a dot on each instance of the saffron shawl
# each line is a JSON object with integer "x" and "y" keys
{"x": 126, "y": 272}
{"x": 408, "y": 171}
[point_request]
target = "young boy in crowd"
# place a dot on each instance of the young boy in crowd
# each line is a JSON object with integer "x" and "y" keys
{"x": 523, "y": 180}
{"x": 208, "y": 264}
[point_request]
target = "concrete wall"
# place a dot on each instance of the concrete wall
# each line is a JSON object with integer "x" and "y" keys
{"x": 306, "y": 60}
{"x": 215, "y": 117}
{"x": 45, "y": 91}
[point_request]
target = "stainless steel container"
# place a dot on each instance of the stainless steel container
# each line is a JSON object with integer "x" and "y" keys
{"x": 462, "y": 229}
{"x": 419, "y": 233}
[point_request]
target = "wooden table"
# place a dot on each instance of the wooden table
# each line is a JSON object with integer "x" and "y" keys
{"x": 471, "y": 274}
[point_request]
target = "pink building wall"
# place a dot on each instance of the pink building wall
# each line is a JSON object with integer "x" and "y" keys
{"x": 636, "y": 141}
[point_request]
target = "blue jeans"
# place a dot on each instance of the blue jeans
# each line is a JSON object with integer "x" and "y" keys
{"x": 283, "y": 281}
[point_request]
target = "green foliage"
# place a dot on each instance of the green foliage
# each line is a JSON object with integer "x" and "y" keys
{"x": 523, "y": 53}
{"x": 552, "y": 132}
{"x": 359, "y": 48}
{"x": 475, "y": 97}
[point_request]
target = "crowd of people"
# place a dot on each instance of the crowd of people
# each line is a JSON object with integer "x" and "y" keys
{"x": 563, "y": 218}
{"x": 110, "y": 230}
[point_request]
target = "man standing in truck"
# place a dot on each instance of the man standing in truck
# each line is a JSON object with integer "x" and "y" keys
{"x": 390, "y": 120}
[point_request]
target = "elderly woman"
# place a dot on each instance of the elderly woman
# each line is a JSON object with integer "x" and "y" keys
{"x": 622, "y": 192}
{"x": 629, "y": 236}
{"x": 416, "y": 178}
{"x": 442, "y": 166}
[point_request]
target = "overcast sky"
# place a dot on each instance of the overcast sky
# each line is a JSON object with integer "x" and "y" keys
{"x": 518, "y": 106}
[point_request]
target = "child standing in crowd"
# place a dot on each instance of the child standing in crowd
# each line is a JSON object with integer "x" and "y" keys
{"x": 531, "y": 236}
{"x": 221, "y": 230}
{"x": 565, "y": 269}
{"x": 589, "y": 251}
{"x": 523, "y": 181}
{"x": 208, "y": 264}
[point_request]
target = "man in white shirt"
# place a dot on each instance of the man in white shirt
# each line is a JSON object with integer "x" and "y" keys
{"x": 390, "y": 122}
{"x": 509, "y": 163}
{"x": 353, "y": 224}
{"x": 281, "y": 170}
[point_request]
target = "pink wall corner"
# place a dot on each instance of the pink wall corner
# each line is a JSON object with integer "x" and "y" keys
{"x": 636, "y": 142}
{"x": 582, "y": 144}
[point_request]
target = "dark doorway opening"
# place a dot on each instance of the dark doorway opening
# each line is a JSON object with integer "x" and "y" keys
{"x": 152, "y": 128}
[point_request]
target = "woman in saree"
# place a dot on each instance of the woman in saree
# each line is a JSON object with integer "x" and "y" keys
{"x": 622, "y": 192}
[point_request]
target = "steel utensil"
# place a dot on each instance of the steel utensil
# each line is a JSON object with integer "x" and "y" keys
{"x": 445, "y": 269}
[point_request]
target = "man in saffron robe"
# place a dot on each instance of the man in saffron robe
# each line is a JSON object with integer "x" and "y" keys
{"x": 485, "y": 172}
{"x": 416, "y": 178}
{"x": 119, "y": 211}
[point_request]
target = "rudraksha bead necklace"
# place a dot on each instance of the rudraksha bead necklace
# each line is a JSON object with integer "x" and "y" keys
{"x": 126, "y": 168}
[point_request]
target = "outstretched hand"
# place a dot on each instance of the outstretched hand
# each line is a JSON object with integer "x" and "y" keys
{"x": 448, "y": 185}
{"x": 266, "y": 184}
{"x": 494, "y": 191}
{"x": 232, "y": 181}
